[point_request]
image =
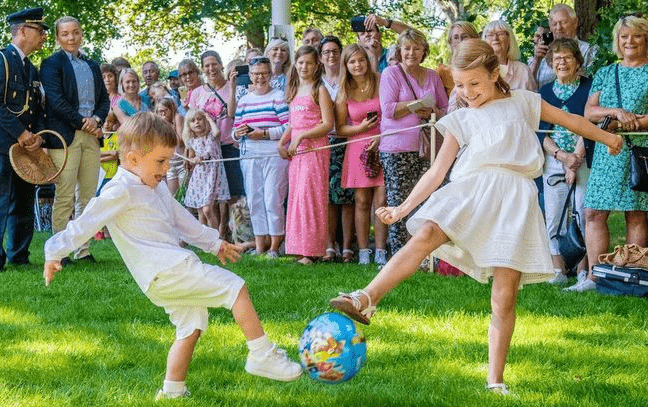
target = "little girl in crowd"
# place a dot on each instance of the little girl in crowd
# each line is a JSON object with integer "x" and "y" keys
{"x": 358, "y": 101}
{"x": 311, "y": 118}
{"x": 487, "y": 220}
{"x": 166, "y": 109}
{"x": 208, "y": 182}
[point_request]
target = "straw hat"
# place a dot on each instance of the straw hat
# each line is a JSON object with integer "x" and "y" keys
{"x": 36, "y": 167}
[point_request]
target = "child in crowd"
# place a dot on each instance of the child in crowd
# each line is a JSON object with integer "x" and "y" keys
{"x": 166, "y": 109}
{"x": 208, "y": 181}
{"x": 487, "y": 221}
{"x": 311, "y": 118}
{"x": 147, "y": 225}
{"x": 357, "y": 115}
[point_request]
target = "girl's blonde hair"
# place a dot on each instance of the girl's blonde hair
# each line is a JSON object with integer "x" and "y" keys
{"x": 472, "y": 54}
{"x": 187, "y": 133}
{"x": 293, "y": 77}
{"x": 347, "y": 83}
{"x": 122, "y": 75}
{"x": 499, "y": 25}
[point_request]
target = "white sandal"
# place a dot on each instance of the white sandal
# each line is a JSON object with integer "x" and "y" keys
{"x": 350, "y": 304}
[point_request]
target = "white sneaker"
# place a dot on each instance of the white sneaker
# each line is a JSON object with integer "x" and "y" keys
{"x": 381, "y": 257}
{"x": 582, "y": 286}
{"x": 274, "y": 364}
{"x": 582, "y": 275}
{"x": 161, "y": 395}
{"x": 559, "y": 277}
{"x": 364, "y": 256}
{"x": 271, "y": 254}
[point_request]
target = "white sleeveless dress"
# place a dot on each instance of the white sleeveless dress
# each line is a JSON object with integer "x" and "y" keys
{"x": 490, "y": 208}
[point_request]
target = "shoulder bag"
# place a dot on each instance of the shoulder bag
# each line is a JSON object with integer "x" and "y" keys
{"x": 571, "y": 243}
{"x": 638, "y": 155}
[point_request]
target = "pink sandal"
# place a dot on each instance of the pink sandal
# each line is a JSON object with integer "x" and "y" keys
{"x": 350, "y": 304}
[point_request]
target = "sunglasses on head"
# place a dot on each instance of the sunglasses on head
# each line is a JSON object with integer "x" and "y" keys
{"x": 259, "y": 60}
{"x": 637, "y": 14}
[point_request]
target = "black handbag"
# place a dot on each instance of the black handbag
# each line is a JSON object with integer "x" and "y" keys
{"x": 571, "y": 243}
{"x": 638, "y": 155}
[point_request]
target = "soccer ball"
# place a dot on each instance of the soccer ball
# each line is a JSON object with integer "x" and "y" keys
{"x": 332, "y": 349}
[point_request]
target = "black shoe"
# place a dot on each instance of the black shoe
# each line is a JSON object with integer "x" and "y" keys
{"x": 89, "y": 258}
{"x": 19, "y": 262}
{"x": 66, "y": 261}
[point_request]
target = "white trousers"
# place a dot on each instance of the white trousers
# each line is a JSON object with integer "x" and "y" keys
{"x": 266, "y": 189}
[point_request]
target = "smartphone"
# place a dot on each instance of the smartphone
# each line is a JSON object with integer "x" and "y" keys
{"x": 358, "y": 24}
{"x": 371, "y": 115}
{"x": 242, "y": 75}
{"x": 547, "y": 38}
{"x": 249, "y": 129}
{"x": 182, "y": 90}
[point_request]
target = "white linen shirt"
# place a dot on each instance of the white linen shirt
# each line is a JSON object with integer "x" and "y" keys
{"x": 146, "y": 224}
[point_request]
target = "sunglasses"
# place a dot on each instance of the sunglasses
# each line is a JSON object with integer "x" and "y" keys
{"x": 637, "y": 14}
{"x": 259, "y": 60}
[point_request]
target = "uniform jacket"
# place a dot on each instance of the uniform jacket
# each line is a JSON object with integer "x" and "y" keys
{"x": 20, "y": 84}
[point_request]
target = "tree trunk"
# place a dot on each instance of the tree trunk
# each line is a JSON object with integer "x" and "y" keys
{"x": 587, "y": 18}
{"x": 255, "y": 36}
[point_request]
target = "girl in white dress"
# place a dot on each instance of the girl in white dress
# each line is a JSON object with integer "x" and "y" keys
{"x": 487, "y": 220}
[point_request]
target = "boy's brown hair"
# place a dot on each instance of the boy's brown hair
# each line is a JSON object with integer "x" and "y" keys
{"x": 143, "y": 132}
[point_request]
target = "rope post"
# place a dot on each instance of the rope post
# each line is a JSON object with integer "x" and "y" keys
{"x": 432, "y": 157}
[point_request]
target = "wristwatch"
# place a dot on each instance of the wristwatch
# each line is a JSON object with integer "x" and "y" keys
{"x": 98, "y": 120}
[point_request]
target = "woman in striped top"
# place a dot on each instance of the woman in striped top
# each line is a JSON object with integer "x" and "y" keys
{"x": 260, "y": 119}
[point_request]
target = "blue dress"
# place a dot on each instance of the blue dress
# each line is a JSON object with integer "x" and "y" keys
{"x": 608, "y": 184}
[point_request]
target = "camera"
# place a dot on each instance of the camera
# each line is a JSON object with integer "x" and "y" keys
{"x": 358, "y": 24}
{"x": 547, "y": 38}
{"x": 242, "y": 75}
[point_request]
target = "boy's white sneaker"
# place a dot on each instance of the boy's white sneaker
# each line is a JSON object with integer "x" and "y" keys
{"x": 273, "y": 364}
{"x": 161, "y": 395}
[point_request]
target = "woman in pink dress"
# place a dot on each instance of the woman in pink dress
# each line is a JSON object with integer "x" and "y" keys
{"x": 358, "y": 101}
{"x": 311, "y": 118}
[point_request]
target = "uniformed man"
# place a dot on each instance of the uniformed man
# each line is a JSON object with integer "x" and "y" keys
{"x": 21, "y": 115}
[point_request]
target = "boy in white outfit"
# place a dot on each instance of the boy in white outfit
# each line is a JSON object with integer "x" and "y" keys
{"x": 147, "y": 224}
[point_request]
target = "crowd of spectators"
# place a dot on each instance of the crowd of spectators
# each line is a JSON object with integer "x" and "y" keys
{"x": 369, "y": 88}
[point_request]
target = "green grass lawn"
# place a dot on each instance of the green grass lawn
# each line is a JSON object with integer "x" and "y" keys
{"x": 93, "y": 339}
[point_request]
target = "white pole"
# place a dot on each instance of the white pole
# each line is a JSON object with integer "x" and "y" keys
{"x": 280, "y": 23}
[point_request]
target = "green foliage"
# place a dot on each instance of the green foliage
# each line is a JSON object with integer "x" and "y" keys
{"x": 94, "y": 16}
{"x": 604, "y": 34}
{"x": 525, "y": 16}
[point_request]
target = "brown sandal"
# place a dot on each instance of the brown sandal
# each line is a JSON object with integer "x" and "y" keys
{"x": 347, "y": 256}
{"x": 350, "y": 304}
{"x": 330, "y": 255}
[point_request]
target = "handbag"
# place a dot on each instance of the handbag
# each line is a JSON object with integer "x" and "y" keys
{"x": 371, "y": 161}
{"x": 425, "y": 134}
{"x": 638, "y": 155}
{"x": 571, "y": 243}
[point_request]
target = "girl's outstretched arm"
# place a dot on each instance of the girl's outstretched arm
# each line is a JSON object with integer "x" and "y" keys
{"x": 428, "y": 183}
{"x": 580, "y": 125}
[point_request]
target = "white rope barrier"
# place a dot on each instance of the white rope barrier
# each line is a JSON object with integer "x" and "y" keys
{"x": 328, "y": 146}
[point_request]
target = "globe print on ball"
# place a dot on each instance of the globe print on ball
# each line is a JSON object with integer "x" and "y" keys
{"x": 332, "y": 349}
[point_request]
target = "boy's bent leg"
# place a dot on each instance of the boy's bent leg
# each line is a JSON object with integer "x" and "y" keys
{"x": 503, "y": 298}
{"x": 264, "y": 359}
{"x": 180, "y": 356}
